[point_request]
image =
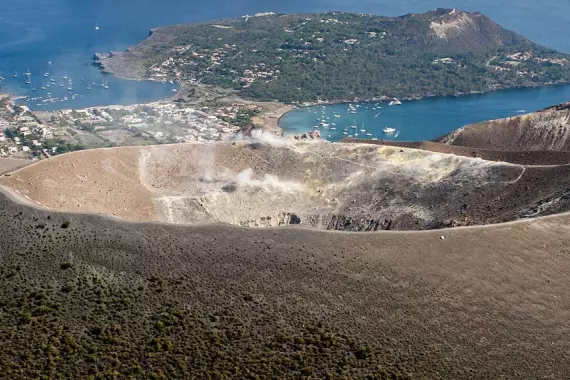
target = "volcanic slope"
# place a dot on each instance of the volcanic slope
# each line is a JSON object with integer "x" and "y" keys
{"x": 352, "y": 187}
{"x": 546, "y": 130}
{"x": 85, "y": 296}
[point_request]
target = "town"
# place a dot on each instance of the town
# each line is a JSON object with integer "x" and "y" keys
{"x": 27, "y": 134}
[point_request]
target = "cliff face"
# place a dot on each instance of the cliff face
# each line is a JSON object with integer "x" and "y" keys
{"x": 547, "y": 130}
{"x": 454, "y": 30}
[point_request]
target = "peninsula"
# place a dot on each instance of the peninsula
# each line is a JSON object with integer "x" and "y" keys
{"x": 338, "y": 56}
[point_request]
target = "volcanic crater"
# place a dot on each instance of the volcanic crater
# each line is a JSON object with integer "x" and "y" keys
{"x": 275, "y": 182}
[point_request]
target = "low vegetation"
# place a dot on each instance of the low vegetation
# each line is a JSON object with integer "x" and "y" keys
{"x": 336, "y": 56}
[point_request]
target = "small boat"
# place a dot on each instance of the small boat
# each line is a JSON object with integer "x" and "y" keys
{"x": 395, "y": 102}
{"x": 332, "y": 128}
{"x": 65, "y": 76}
{"x": 28, "y": 81}
{"x": 368, "y": 134}
{"x": 337, "y": 115}
{"x": 61, "y": 84}
{"x": 106, "y": 86}
{"x": 88, "y": 87}
{"x": 363, "y": 130}
{"x": 352, "y": 111}
{"x": 344, "y": 132}
{"x": 93, "y": 83}
{"x": 353, "y": 127}
{"x": 43, "y": 88}
{"x": 28, "y": 73}
{"x": 97, "y": 27}
{"x": 389, "y": 130}
{"x": 15, "y": 74}
{"x": 374, "y": 138}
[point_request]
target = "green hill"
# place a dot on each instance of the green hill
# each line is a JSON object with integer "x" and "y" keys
{"x": 338, "y": 56}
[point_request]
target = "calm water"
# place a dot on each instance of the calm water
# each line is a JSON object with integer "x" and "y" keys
{"x": 421, "y": 119}
{"x": 35, "y": 32}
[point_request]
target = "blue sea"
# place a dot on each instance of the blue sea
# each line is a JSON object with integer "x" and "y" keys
{"x": 59, "y": 37}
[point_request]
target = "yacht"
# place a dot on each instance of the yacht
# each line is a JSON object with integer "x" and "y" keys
{"x": 368, "y": 134}
{"x": 28, "y": 80}
{"x": 97, "y": 27}
{"x": 15, "y": 74}
{"x": 363, "y": 130}
{"x": 65, "y": 76}
{"x": 389, "y": 130}
{"x": 353, "y": 126}
{"x": 106, "y": 86}
{"x": 395, "y": 102}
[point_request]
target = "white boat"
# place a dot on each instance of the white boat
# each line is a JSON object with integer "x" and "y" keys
{"x": 352, "y": 111}
{"x": 353, "y": 126}
{"x": 337, "y": 115}
{"x": 363, "y": 130}
{"x": 15, "y": 74}
{"x": 368, "y": 134}
{"x": 395, "y": 102}
{"x": 344, "y": 132}
{"x": 106, "y": 86}
{"x": 97, "y": 27}
{"x": 389, "y": 130}
{"x": 65, "y": 76}
{"x": 374, "y": 138}
{"x": 332, "y": 128}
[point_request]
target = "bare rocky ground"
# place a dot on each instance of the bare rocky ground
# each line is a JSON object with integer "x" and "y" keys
{"x": 351, "y": 187}
{"x": 85, "y": 296}
{"x": 546, "y": 130}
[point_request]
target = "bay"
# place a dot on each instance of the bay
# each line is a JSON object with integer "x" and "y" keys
{"x": 424, "y": 119}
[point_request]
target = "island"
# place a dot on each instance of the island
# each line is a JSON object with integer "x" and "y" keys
{"x": 337, "y": 56}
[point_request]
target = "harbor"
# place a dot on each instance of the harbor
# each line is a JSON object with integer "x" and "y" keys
{"x": 424, "y": 119}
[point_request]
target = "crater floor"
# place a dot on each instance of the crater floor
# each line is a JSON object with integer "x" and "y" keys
{"x": 353, "y": 187}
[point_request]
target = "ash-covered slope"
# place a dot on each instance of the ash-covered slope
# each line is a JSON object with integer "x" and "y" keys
{"x": 351, "y": 187}
{"x": 546, "y": 130}
{"x": 84, "y": 296}
{"x": 453, "y": 31}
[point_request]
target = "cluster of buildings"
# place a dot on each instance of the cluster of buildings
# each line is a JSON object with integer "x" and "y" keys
{"x": 527, "y": 55}
{"x": 259, "y": 72}
{"x": 164, "y": 121}
{"x": 22, "y": 134}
